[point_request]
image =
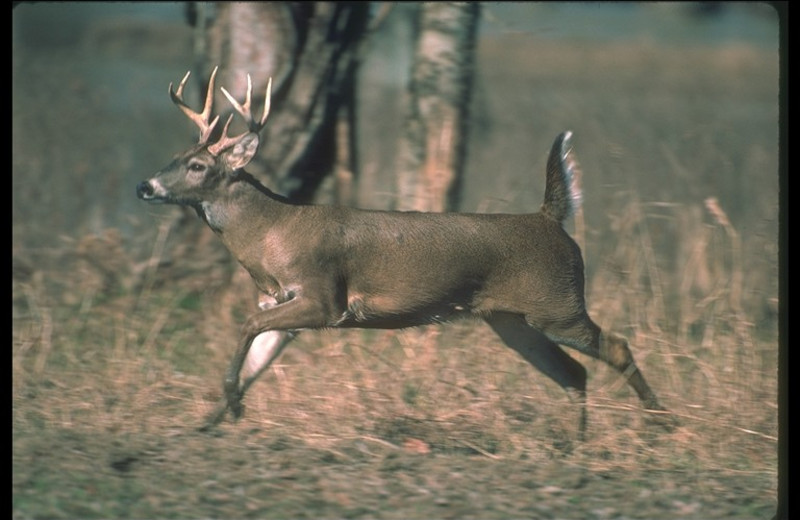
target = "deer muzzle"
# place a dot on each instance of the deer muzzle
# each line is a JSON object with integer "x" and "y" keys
{"x": 150, "y": 191}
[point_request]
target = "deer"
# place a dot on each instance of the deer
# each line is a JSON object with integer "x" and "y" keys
{"x": 327, "y": 266}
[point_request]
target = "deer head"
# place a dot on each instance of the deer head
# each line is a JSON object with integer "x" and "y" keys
{"x": 194, "y": 175}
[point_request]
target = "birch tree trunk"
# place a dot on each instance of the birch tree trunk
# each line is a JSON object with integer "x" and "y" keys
{"x": 432, "y": 148}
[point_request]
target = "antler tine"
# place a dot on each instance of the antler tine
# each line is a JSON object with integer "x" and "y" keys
{"x": 267, "y": 103}
{"x": 200, "y": 119}
{"x": 244, "y": 109}
{"x": 224, "y": 141}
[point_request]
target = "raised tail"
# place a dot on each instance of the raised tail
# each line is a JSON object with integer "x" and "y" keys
{"x": 562, "y": 194}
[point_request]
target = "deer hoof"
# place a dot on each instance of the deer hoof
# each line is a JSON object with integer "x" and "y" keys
{"x": 237, "y": 409}
{"x": 662, "y": 418}
{"x": 215, "y": 417}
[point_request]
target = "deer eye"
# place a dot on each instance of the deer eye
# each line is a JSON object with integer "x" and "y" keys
{"x": 197, "y": 167}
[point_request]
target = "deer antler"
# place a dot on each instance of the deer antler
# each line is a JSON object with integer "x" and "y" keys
{"x": 244, "y": 110}
{"x": 200, "y": 119}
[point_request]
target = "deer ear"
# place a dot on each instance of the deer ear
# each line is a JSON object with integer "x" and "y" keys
{"x": 242, "y": 152}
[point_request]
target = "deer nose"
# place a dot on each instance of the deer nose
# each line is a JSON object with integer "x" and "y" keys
{"x": 144, "y": 190}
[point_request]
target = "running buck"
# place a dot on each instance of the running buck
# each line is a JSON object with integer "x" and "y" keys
{"x": 321, "y": 266}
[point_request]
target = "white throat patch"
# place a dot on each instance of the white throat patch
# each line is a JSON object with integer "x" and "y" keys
{"x": 212, "y": 214}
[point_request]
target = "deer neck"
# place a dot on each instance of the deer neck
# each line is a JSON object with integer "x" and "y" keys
{"x": 243, "y": 208}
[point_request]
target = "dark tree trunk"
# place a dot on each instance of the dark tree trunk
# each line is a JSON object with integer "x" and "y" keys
{"x": 310, "y": 49}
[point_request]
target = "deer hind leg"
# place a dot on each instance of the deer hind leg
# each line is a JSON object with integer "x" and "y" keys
{"x": 585, "y": 336}
{"x": 544, "y": 355}
{"x": 243, "y": 372}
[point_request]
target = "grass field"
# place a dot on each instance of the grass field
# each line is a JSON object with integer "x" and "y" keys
{"x": 121, "y": 329}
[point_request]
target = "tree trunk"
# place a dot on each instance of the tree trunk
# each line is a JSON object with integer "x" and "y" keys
{"x": 432, "y": 149}
{"x": 310, "y": 49}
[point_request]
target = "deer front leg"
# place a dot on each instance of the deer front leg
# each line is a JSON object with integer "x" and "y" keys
{"x": 263, "y": 351}
{"x": 263, "y": 337}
